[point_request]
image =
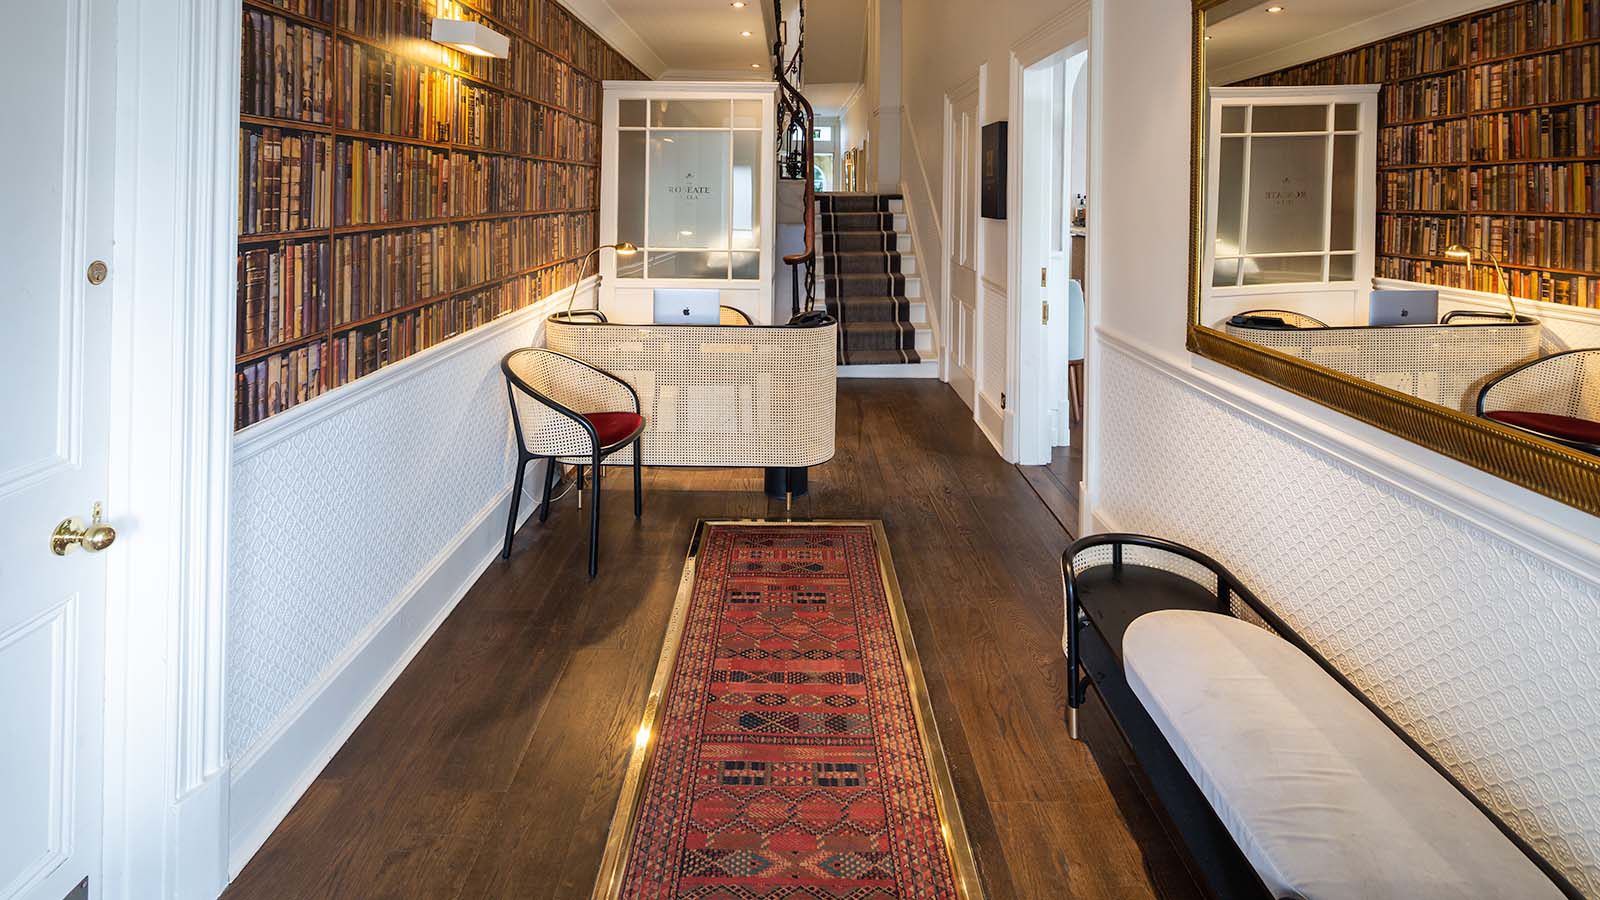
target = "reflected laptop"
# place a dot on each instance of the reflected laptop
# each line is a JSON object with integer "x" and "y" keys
{"x": 685, "y": 306}
{"x": 1403, "y": 308}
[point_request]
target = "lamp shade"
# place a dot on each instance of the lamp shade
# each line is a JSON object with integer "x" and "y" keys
{"x": 471, "y": 37}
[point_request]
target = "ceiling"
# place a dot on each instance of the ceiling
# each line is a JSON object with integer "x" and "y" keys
{"x": 701, "y": 37}
{"x": 1246, "y": 40}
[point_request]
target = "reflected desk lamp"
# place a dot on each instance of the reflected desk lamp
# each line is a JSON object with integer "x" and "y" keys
{"x": 623, "y": 248}
{"x": 1456, "y": 251}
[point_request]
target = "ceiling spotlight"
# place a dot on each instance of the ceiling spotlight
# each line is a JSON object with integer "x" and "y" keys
{"x": 737, "y": 4}
{"x": 755, "y": 65}
{"x": 1274, "y": 9}
{"x": 744, "y": 34}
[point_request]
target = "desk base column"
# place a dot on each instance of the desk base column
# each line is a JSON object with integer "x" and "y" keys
{"x": 783, "y": 482}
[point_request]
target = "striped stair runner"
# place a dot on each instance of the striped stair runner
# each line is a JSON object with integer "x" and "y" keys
{"x": 864, "y": 288}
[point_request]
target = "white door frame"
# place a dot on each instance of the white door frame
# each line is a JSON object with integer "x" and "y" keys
{"x": 1026, "y": 350}
{"x": 177, "y": 113}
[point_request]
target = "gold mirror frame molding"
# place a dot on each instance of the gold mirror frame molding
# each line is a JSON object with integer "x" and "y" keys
{"x": 1548, "y": 468}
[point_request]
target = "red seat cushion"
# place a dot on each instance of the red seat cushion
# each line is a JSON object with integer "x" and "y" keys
{"x": 1564, "y": 427}
{"x": 614, "y": 426}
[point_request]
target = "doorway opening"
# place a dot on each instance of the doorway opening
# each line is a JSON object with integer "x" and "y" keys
{"x": 1051, "y": 249}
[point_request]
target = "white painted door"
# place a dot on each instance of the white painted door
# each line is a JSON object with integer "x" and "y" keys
{"x": 961, "y": 173}
{"x": 55, "y": 220}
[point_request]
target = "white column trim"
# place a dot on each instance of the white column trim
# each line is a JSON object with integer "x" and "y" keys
{"x": 171, "y": 370}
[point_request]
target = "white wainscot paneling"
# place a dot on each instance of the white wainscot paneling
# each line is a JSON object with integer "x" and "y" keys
{"x": 358, "y": 521}
{"x": 1484, "y": 651}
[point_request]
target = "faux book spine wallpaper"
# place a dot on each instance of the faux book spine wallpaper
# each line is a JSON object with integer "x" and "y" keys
{"x": 395, "y": 193}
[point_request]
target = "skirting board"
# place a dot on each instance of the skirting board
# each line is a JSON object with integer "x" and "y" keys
{"x": 991, "y": 421}
{"x": 267, "y": 783}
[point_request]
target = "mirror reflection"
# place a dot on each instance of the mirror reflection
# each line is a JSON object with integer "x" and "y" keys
{"x": 1411, "y": 195}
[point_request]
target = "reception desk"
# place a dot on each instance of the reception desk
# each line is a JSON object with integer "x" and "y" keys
{"x": 1442, "y": 364}
{"x": 720, "y": 395}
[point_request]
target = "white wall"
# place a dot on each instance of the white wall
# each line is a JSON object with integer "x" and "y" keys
{"x": 943, "y": 46}
{"x": 359, "y": 520}
{"x": 1468, "y": 607}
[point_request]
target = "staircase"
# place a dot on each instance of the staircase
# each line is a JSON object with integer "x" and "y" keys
{"x": 868, "y": 277}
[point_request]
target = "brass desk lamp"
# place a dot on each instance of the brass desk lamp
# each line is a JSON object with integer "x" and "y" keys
{"x": 623, "y": 248}
{"x": 1456, "y": 251}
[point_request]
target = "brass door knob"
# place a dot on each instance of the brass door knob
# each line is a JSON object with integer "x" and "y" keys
{"x": 70, "y": 535}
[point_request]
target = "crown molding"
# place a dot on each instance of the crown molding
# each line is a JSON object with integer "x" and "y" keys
{"x": 600, "y": 16}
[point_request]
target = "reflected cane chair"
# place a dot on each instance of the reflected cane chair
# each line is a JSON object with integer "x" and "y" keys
{"x": 567, "y": 411}
{"x": 1555, "y": 397}
{"x": 1289, "y": 317}
{"x": 733, "y": 316}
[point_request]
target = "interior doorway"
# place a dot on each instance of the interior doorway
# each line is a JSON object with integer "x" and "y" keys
{"x": 1051, "y": 251}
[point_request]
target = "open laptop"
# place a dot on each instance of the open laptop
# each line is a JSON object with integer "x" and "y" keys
{"x": 1403, "y": 308}
{"x": 688, "y": 306}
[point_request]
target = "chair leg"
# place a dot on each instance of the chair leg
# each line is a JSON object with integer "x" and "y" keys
{"x": 516, "y": 500}
{"x": 638, "y": 493}
{"x": 549, "y": 485}
{"x": 594, "y": 524}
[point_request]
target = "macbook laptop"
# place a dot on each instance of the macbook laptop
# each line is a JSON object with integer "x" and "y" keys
{"x": 688, "y": 306}
{"x": 1403, "y": 308}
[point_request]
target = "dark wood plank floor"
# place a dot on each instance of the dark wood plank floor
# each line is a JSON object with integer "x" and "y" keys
{"x": 492, "y": 766}
{"x": 1057, "y": 482}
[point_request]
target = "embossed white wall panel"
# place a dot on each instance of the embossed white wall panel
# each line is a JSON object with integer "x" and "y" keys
{"x": 1486, "y": 653}
{"x": 338, "y": 506}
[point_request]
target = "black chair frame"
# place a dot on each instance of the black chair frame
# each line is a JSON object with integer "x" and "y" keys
{"x": 1094, "y": 657}
{"x": 1483, "y": 396}
{"x": 596, "y": 457}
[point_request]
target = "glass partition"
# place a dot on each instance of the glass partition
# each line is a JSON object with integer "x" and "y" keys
{"x": 689, "y": 188}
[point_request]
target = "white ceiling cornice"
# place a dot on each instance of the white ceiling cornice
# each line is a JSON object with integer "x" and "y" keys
{"x": 615, "y": 30}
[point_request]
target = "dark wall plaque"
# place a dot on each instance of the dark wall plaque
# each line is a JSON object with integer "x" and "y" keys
{"x": 994, "y": 170}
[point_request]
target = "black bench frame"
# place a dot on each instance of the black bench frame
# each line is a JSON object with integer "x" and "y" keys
{"x": 1101, "y": 602}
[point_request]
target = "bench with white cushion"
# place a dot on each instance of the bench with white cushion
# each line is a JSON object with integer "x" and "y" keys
{"x": 1281, "y": 779}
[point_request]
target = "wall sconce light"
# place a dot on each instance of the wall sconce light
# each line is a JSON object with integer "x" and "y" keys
{"x": 472, "y": 38}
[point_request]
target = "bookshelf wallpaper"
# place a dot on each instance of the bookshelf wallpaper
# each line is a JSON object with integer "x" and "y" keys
{"x": 395, "y": 193}
{"x": 1489, "y": 137}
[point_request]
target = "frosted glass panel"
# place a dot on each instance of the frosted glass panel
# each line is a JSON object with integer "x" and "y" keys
{"x": 1290, "y": 118}
{"x": 1230, "y": 189}
{"x": 1234, "y": 119}
{"x": 689, "y": 190}
{"x": 1287, "y": 192}
{"x": 1342, "y": 267}
{"x": 688, "y": 264}
{"x": 630, "y": 113}
{"x": 1346, "y": 163}
{"x": 747, "y": 266}
{"x": 689, "y": 113}
{"x": 1283, "y": 269}
{"x": 746, "y": 188}
{"x": 630, "y": 186}
{"x": 1225, "y": 273}
{"x": 1347, "y": 117}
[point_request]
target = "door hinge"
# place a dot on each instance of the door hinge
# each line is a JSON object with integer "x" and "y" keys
{"x": 1047, "y": 312}
{"x": 1044, "y": 277}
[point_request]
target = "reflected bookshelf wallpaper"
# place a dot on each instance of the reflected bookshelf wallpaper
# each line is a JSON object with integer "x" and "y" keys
{"x": 395, "y": 193}
{"x": 1490, "y": 137}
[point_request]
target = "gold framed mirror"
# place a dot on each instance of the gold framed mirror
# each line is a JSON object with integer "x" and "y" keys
{"x": 1398, "y": 217}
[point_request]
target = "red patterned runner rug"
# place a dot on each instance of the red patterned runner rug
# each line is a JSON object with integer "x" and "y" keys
{"x": 788, "y": 749}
